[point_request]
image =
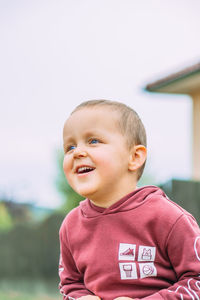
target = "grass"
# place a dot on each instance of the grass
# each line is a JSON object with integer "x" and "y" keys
{"x": 27, "y": 289}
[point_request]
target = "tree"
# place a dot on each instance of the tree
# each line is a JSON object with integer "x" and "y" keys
{"x": 6, "y": 221}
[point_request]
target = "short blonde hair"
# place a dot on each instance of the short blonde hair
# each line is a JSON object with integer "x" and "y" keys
{"x": 130, "y": 123}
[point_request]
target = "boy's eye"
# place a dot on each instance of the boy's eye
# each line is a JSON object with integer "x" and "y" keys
{"x": 94, "y": 141}
{"x": 69, "y": 148}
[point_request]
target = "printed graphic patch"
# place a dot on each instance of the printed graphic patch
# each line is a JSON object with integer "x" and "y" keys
{"x": 147, "y": 270}
{"x": 126, "y": 251}
{"x": 146, "y": 253}
{"x": 144, "y": 261}
{"x": 128, "y": 270}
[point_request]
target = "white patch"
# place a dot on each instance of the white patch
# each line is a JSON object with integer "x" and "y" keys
{"x": 146, "y": 253}
{"x": 197, "y": 247}
{"x": 128, "y": 270}
{"x": 147, "y": 270}
{"x": 126, "y": 251}
{"x": 61, "y": 269}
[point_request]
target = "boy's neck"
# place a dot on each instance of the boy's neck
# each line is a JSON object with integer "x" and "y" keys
{"x": 109, "y": 200}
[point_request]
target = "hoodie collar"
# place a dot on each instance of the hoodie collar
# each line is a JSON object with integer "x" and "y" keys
{"x": 128, "y": 202}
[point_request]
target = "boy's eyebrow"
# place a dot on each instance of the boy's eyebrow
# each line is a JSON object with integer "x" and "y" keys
{"x": 87, "y": 133}
{"x": 92, "y": 132}
{"x": 68, "y": 139}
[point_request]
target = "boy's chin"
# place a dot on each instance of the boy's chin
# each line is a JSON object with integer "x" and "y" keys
{"x": 86, "y": 193}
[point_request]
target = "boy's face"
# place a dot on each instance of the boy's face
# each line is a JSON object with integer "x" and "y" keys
{"x": 96, "y": 154}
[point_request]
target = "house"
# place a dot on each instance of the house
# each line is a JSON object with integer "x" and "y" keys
{"x": 185, "y": 81}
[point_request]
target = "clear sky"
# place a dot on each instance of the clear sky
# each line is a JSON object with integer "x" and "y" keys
{"x": 56, "y": 54}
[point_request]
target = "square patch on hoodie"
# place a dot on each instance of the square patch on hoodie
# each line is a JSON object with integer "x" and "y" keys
{"x": 146, "y": 253}
{"x": 147, "y": 270}
{"x": 128, "y": 270}
{"x": 126, "y": 251}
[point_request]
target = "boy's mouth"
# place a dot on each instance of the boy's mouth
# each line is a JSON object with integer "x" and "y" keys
{"x": 84, "y": 169}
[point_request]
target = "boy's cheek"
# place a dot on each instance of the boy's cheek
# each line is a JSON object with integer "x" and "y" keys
{"x": 66, "y": 167}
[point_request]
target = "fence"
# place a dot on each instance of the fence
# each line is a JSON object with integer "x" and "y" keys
{"x": 31, "y": 250}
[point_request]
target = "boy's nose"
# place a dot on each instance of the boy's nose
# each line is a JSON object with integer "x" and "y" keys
{"x": 79, "y": 152}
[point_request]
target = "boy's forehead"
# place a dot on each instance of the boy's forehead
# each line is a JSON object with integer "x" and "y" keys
{"x": 100, "y": 114}
{"x": 92, "y": 117}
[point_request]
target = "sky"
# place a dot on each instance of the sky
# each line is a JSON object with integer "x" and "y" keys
{"x": 56, "y": 54}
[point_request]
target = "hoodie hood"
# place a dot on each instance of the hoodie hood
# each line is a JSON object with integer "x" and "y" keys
{"x": 129, "y": 202}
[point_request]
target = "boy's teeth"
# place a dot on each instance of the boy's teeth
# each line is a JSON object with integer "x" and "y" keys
{"x": 84, "y": 169}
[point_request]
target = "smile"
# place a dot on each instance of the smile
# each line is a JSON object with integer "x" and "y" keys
{"x": 84, "y": 169}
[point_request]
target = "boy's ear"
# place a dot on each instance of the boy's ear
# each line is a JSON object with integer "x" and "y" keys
{"x": 138, "y": 155}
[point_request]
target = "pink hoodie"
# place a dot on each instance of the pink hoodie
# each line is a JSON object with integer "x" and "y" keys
{"x": 144, "y": 246}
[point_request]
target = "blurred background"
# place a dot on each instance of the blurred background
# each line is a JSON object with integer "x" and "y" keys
{"x": 53, "y": 56}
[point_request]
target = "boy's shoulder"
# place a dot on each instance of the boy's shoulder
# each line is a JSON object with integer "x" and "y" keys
{"x": 164, "y": 207}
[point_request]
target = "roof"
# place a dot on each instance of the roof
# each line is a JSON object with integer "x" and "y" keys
{"x": 185, "y": 81}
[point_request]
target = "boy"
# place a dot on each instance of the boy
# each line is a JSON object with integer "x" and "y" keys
{"x": 122, "y": 242}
